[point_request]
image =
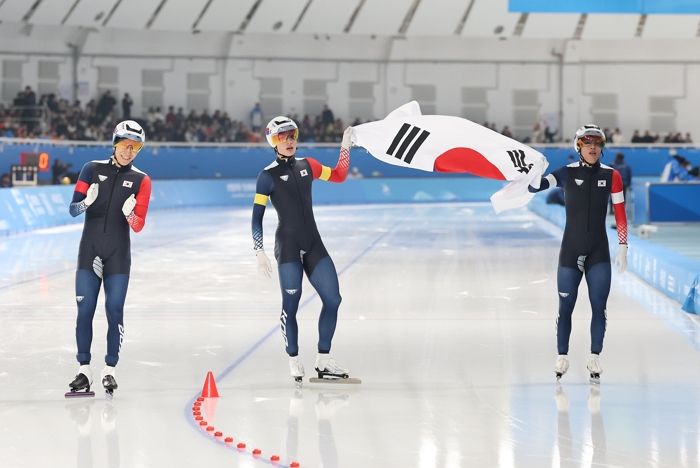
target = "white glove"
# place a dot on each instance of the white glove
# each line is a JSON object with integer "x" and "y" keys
{"x": 621, "y": 258}
{"x": 347, "y": 138}
{"x": 264, "y": 265}
{"x": 128, "y": 206}
{"x": 91, "y": 194}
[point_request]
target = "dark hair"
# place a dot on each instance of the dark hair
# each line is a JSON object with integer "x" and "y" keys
{"x": 681, "y": 160}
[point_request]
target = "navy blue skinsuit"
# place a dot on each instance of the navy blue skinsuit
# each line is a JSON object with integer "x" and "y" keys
{"x": 105, "y": 249}
{"x": 584, "y": 246}
{"x": 298, "y": 245}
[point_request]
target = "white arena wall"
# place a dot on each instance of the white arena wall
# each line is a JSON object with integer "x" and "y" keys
{"x": 631, "y": 83}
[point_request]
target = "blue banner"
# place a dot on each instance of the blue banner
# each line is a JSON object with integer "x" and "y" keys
{"x": 678, "y": 7}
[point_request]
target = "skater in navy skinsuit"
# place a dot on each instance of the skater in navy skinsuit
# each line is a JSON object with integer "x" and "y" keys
{"x": 114, "y": 196}
{"x": 588, "y": 185}
{"x": 298, "y": 245}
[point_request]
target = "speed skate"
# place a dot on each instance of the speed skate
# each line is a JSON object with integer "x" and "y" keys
{"x": 330, "y": 372}
{"x": 80, "y": 386}
{"x": 335, "y": 380}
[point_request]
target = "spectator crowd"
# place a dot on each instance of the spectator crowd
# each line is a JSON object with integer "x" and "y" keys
{"x": 54, "y": 118}
{"x": 50, "y": 117}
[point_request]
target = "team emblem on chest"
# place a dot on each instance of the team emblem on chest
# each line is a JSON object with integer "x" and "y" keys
{"x": 601, "y": 183}
{"x": 304, "y": 173}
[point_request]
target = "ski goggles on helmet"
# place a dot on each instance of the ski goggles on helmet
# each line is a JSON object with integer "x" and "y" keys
{"x": 588, "y": 140}
{"x": 284, "y": 136}
{"x": 126, "y": 144}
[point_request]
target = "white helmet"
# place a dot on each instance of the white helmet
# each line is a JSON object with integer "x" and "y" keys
{"x": 128, "y": 130}
{"x": 279, "y": 124}
{"x": 588, "y": 130}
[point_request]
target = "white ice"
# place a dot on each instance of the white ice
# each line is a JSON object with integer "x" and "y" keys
{"x": 448, "y": 317}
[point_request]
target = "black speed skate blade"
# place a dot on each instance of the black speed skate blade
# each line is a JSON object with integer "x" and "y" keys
{"x": 80, "y": 394}
{"x": 335, "y": 380}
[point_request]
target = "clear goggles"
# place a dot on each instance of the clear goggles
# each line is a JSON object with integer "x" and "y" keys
{"x": 283, "y": 137}
{"x": 129, "y": 145}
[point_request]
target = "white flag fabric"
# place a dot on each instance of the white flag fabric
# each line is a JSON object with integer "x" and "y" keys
{"x": 441, "y": 143}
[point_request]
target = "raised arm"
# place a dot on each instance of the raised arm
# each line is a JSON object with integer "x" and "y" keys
{"x": 340, "y": 171}
{"x": 551, "y": 180}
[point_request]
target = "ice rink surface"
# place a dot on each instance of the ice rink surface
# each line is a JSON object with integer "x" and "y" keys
{"x": 448, "y": 317}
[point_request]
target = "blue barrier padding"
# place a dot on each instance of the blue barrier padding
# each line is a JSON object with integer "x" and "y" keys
{"x": 671, "y": 273}
{"x": 240, "y": 162}
{"x": 640, "y": 193}
{"x": 666, "y": 202}
{"x": 674, "y": 202}
{"x": 692, "y": 300}
{"x": 28, "y": 208}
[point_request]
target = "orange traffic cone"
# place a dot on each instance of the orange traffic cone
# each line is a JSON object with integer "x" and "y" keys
{"x": 209, "y": 390}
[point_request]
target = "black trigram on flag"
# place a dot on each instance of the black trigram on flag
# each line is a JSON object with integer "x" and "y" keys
{"x": 410, "y": 140}
{"x": 517, "y": 157}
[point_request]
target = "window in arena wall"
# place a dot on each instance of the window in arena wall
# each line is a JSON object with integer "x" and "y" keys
{"x": 271, "y": 97}
{"x": 198, "y": 91}
{"x": 361, "y": 100}
{"x": 107, "y": 79}
{"x": 152, "y": 88}
{"x": 48, "y": 77}
{"x": 474, "y": 104}
{"x": 426, "y": 95}
{"x": 315, "y": 97}
{"x": 604, "y": 110}
{"x": 662, "y": 114}
{"x": 11, "y": 79}
{"x": 526, "y": 111}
